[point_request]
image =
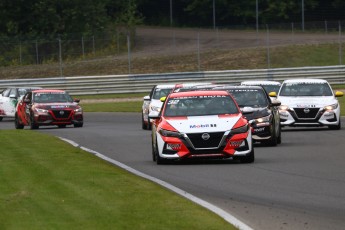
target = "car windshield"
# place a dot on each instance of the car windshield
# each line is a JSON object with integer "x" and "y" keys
{"x": 22, "y": 91}
{"x": 52, "y": 97}
{"x": 158, "y": 93}
{"x": 255, "y": 98}
{"x": 200, "y": 106}
{"x": 305, "y": 89}
{"x": 271, "y": 88}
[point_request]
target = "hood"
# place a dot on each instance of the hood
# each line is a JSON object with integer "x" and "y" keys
{"x": 52, "y": 106}
{"x": 317, "y": 102}
{"x": 257, "y": 113}
{"x": 156, "y": 103}
{"x": 198, "y": 124}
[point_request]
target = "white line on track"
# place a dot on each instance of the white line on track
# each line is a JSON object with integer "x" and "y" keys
{"x": 220, "y": 212}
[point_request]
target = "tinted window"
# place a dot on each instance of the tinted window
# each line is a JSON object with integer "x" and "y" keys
{"x": 250, "y": 97}
{"x": 200, "y": 106}
{"x": 158, "y": 93}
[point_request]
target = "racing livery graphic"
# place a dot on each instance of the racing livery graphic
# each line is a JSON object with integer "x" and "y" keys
{"x": 201, "y": 124}
{"x": 48, "y": 107}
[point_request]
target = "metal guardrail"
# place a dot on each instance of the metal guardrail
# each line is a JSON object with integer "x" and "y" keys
{"x": 109, "y": 84}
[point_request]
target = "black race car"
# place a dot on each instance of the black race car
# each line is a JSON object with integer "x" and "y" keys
{"x": 264, "y": 117}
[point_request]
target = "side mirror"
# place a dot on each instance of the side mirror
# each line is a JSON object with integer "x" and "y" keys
{"x": 76, "y": 100}
{"x": 13, "y": 96}
{"x": 147, "y": 98}
{"x": 154, "y": 115}
{"x": 275, "y": 102}
{"x": 339, "y": 94}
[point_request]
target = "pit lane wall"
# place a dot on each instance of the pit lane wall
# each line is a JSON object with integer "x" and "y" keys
{"x": 137, "y": 83}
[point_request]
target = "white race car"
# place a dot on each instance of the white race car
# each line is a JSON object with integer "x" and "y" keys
{"x": 152, "y": 102}
{"x": 201, "y": 124}
{"x": 309, "y": 102}
{"x": 9, "y": 98}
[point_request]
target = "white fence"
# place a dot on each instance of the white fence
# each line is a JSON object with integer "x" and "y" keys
{"x": 109, "y": 84}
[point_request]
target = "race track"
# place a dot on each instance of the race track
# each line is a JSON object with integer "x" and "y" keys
{"x": 298, "y": 185}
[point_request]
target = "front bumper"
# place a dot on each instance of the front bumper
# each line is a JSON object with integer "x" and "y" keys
{"x": 187, "y": 147}
{"x": 309, "y": 117}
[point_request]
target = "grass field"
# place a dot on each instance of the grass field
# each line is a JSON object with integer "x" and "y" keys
{"x": 135, "y": 106}
{"x": 46, "y": 183}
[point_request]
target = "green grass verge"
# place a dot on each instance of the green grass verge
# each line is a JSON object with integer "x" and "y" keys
{"x": 46, "y": 183}
{"x": 130, "y": 106}
{"x": 135, "y": 106}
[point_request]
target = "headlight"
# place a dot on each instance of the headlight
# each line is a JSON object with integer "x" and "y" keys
{"x": 41, "y": 110}
{"x": 155, "y": 108}
{"x": 242, "y": 129}
{"x": 168, "y": 133}
{"x": 284, "y": 108}
{"x": 331, "y": 107}
{"x": 78, "y": 110}
{"x": 263, "y": 119}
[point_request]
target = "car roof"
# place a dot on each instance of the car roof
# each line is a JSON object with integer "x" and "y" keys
{"x": 199, "y": 93}
{"x": 25, "y": 87}
{"x": 168, "y": 86}
{"x": 226, "y": 87}
{"x": 48, "y": 91}
{"x": 305, "y": 80}
{"x": 259, "y": 82}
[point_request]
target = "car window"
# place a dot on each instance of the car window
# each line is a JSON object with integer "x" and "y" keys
{"x": 305, "y": 89}
{"x": 250, "y": 97}
{"x": 22, "y": 91}
{"x": 6, "y": 93}
{"x": 158, "y": 93}
{"x": 200, "y": 106}
{"x": 271, "y": 88}
{"x": 51, "y": 97}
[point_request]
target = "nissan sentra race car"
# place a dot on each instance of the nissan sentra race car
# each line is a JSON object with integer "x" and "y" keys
{"x": 201, "y": 124}
{"x": 264, "y": 118}
{"x": 48, "y": 107}
{"x": 309, "y": 102}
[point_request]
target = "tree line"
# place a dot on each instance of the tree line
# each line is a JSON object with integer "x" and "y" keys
{"x": 52, "y": 18}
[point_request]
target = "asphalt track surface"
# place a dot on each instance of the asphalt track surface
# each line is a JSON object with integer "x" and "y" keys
{"x": 298, "y": 185}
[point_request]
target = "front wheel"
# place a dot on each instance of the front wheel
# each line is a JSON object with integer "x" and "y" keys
{"x": 155, "y": 155}
{"x": 33, "y": 125}
{"x": 249, "y": 158}
{"x": 17, "y": 124}
{"x": 335, "y": 127}
{"x": 78, "y": 125}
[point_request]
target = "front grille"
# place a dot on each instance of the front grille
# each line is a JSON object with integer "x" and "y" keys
{"x": 199, "y": 142}
{"x": 301, "y": 113}
{"x": 62, "y": 114}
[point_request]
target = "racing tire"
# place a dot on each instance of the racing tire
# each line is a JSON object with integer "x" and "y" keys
{"x": 159, "y": 160}
{"x": 17, "y": 124}
{"x": 249, "y": 158}
{"x": 153, "y": 152}
{"x": 1, "y": 118}
{"x": 143, "y": 125}
{"x": 33, "y": 125}
{"x": 274, "y": 139}
{"x": 62, "y": 126}
{"x": 279, "y": 140}
{"x": 335, "y": 127}
{"x": 79, "y": 125}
